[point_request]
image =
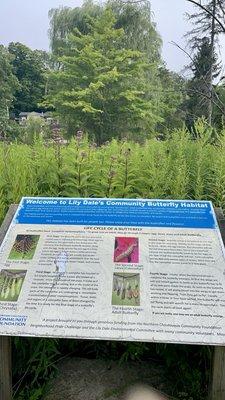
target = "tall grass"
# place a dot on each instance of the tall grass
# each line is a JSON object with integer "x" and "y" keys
{"x": 178, "y": 167}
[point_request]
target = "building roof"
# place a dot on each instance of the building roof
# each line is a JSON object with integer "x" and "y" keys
{"x": 23, "y": 114}
{"x": 32, "y": 113}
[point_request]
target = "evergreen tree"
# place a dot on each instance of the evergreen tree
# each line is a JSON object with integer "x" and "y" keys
{"x": 101, "y": 86}
{"x": 197, "y": 87}
{"x": 219, "y": 15}
{"x": 207, "y": 26}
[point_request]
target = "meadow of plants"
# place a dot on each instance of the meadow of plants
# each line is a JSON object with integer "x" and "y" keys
{"x": 178, "y": 167}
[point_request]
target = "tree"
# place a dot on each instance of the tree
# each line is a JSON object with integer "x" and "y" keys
{"x": 64, "y": 20}
{"x": 8, "y": 85}
{"x": 140, "y": 31}
{"x": 219, "y": 18}
{"x": 173, "y": 92}
{"x": 197, "y": 87}
{"x": 101, "y": 86}
{"x": 29, "y": 67}
{"x": 135, "y": 19}
{"x": 219, "y": 112}
{"x": 207, "y": 21}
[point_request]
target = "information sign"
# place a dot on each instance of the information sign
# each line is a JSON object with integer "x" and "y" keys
{"x": 115, "y": 269}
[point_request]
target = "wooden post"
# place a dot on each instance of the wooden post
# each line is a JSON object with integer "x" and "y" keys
{"x": 217, "y": 387}
{"x": 5, "y": 341}
{"x": 5, "y": 368}
{"x": 218, "y": 374}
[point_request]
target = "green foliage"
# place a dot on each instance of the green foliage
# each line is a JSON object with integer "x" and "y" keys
{"x": 8, "y": 86}
{"x": 217, "y": 178}
{"x": 140, "y": 30}
{"x": 190, "y": 368}
{"x": 64, "y": 20}
{"x": 34, "y": 364}
{"x": 134, "y": 18}
{"x": 198, "y": 86}
{"x": 172, "y": 89}
{"x": 202, "y": 20}
{"x": 102, "y": 86}
{"x": 178, "y": 167}
{"x": 219, "y": 109}
{"x": 34, "y": 128}
{"x": 13, "y": 130}
{"x": 203, "y": 41}
{"x": 109, "y": 55}
{"x": 157, "y": 99}
{"x": 29, "y": 67}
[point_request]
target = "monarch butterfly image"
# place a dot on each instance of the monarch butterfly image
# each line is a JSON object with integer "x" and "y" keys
{"x": 24, "y": 247}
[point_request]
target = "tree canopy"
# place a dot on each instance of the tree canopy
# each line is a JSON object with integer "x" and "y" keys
{"x": 203, "y": 40}
{"x": 29, "y": 68}
{"x": 63, "y": 20}
{"x": 134, "y": 18}
{"x": 8, "y": 85}
{"x": 138, "y": 39}
{"x": 105, "y": 72}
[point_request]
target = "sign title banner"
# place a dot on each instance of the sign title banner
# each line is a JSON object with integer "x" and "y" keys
{"x": 116, "y": 212}
{"x": 119, "y": 269}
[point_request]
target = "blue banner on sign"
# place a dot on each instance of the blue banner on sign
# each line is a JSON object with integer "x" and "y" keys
{"x": 116, "y": 212}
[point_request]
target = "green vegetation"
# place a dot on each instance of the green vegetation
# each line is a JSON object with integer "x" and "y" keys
{"x": 102, "y": 86}
{"x": 8, "y": 85}
{"x": 208, "y": 25}
{"x": 29, "y": 67}
{"x": 105, "y": 74}
{"x": 158, "y": 135}
{"x": 176, "y": 168}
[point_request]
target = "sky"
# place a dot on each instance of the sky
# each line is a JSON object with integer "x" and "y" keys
{"x": 26, "y": 21}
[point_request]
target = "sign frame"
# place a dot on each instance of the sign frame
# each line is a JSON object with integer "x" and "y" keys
{"x": 217, "y": 381}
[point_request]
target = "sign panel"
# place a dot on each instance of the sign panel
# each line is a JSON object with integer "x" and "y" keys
{"x": 145, "y": 270}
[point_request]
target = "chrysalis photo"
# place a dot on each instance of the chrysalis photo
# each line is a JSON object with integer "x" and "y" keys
{"x": 24, "y": 247}
{"x": 126, "y": 289}
{"x": 11, "y": 282}
{"x": 126, "y": 250}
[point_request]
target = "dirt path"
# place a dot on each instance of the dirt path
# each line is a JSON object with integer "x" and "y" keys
{"x": 83, "y": 379}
